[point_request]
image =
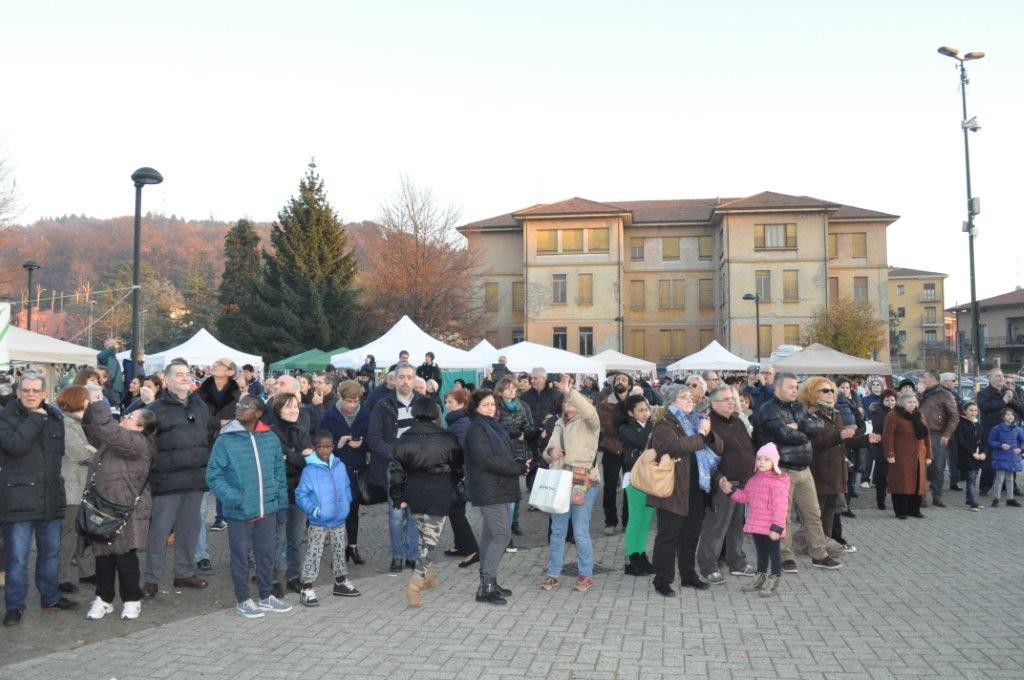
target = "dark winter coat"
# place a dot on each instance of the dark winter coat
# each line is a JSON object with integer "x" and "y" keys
{"x": 634, "y": 438}
{"x": 609, "y": 410}
{"x": 31, "y": 453}
{"x": 382, "y": 436}
{"x": 324, "y": 492}
{"x": 541, "y": 405}
{"x": 877, "y": 413}
{"x": 458, "y": 425}
{"x": 938, "y": 408}
{"x": 334, "y": 422}
{"x": 772, "y": 425}
{"x": 737, "y": 464}
{"x": 518, "y": 422}
{"x": 969, "y": 441}
{"x": 908, "y": 474}
{"x": 669, "y": 439}
{"x": 492, "y": 466}
{"x": 121, "y": 465}
{"x": 828, "y": 465}
{"x": 990, "y": 404}
{"x": 246, "y": 473}
{"x": 426, "y": 465}
{"x": 221, "y": 402}
{"x": 296, "y": 444}
{"x": 1013, "y": 437}
{"x": 431, "y": 372}
{"x": 183, "y": 436}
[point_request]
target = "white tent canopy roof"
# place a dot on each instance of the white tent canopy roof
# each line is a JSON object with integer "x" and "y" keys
{"x": 405, "y": 334}
{"x": 525, "y": 356}
{"x": 202, "y": 349}
{"x": 819, "y": 359}
{"x": 36, "y": 348}
{"x": 486, "y": 351}
{"x": 617, "y": 361}
{"x": 714, "y": 357}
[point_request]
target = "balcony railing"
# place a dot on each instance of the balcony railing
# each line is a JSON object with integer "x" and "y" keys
{"x": 932, "y": 345}
{"x": 929, "y": 297}
{"x": 1013, "y": 340}
{"x": 931, "y": 321}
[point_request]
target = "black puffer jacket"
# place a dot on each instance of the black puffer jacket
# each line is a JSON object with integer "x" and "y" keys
{"x": 183, "y": 435}
{"x": 221, "y": 402}
{"x": 31, "y": 452}
{"x": 426, "y": 464}
{"x": 635, "y": 438}
{"x": 794, "y": 444}
{"x": 517, "y": 423}
{"x": 493, "y": 470}
{"x": 295, "y": 439}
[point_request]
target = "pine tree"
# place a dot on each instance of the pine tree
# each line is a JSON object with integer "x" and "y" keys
{"x": 238, "y": 286}
{"x": 307, "y": 298}
{"x": 198, "y": 296}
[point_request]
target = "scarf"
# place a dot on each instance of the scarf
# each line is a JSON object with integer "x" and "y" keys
{"x": 496, "y": 433}
{"x": 920, "y": 429}
{"x": 511, "y": 404}
{"x": 707, "y": 460}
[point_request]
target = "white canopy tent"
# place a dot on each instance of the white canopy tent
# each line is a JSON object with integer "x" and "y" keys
{"x": 202, "y": 349}
{"x": 822, "y": 360}
{"x": 714, "y": 357}
{"x": 486, "y": 351}
{"x": 525, "y": 356}
{"x": 617, "y": 361}
{"x": 405, "y": 334}
{"x": 35, "y": 348}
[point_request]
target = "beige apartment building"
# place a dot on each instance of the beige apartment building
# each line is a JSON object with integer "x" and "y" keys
{"x": 917, "y": 297}
{"x": 660, "y": 279}
{"x": 1002, "y": 329}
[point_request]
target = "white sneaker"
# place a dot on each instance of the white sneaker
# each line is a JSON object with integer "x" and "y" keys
{"x": 248, "y": 610}
{"x": 308, "y": 598}
{"x": 131, "y": 610}
{"x": 849, "y": 548}
{"x": 865, "y": 485}
{"x": 98, "y": 610}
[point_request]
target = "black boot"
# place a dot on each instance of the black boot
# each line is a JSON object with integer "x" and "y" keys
{"x": 635, "y": 567}
{"x": 648, "y": 567}
{"x": 504, "y": 592}
{"x": 487, "y": 593}
{"x": 352, "y": 553}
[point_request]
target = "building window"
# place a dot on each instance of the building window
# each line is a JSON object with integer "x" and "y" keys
{"x": 585, "y": 289}
{"x": 929, "y": 315}
{"x": 572, "y": 240}
{"x": 929, "y": 291}
{"x": 706, "y": 336}
{"x": 930, "y": 336}
{"x": 791, "y": 334}
{"x": 558, "y": 289}
{"x": 833, "y": 288}
{"x": 670, "y": 248}
{"x": 706, "y": 294}
{"x": 547, "y": 241}
{"x": 860, "y": 288}
{"x": 491, "y": 296}
{"x": 763, "y": 278}
{"x": 774, "y": 236}
{"x": 637, "y": 294}
{"x": 638, "y": 343}
{"x": 705, "y": 247}
{"x": 764, "y": 333}
{"x": 833, "y": 246}
{"x": 901, "y": 312}
{"x": 670, "y": 293}
{"x": 586, "y": 340}
{"x": 517, "y": 296}
{"x": 671, "y": 344}
{"x": 517, "y": 336}
{"x": 636, "y": 249}
{"x": 791, "y": 285}
{"x": 597, "y": 240}
{"x": 901, "y": 289}
{"x": 558, "y": 337}
{"x": 859, "y": 244}
{"x": 902, "y": 336}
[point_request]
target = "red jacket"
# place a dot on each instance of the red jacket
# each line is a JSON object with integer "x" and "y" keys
{"x": 767, "y": 497}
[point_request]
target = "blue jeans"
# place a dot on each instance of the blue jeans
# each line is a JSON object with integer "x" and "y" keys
{"x": 937, "y": 470}
{"x": 405, "y": 537}
{"x": 580, "y": 515}
{"x": 204, "y": 507}
{"x": 18, "y": 540}
{"x": 289, "y": 554}
{"x": 970, "y": 488}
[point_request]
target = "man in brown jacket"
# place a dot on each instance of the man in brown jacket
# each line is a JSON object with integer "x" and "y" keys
{"x": 939, "y": 411}
{"x": 611, "y": 449}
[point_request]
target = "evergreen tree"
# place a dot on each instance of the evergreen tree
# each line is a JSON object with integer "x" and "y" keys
{"x": 238, "y": 286}
{"x": 198, "y": 296}
{"x": 307, "y": 299}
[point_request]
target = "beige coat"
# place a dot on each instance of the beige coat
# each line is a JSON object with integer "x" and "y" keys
{"x": 577, "y": 438}
{"x": 74, "y": 467}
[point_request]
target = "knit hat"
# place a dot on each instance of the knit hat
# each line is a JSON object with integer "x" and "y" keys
{"x": 770, "y": 452}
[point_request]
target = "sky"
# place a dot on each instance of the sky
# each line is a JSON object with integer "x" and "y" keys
{"x": 497, "y": 106}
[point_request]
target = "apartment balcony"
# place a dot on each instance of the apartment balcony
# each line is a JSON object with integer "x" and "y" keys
{"x": 933, "y": 345}
{"x": 932, "y": 321}
{"x": 1014, "y": 340}
{"x": 929, "y": 297}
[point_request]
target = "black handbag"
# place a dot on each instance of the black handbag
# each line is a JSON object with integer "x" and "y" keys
{"x": 100, "y": 520}
{"x": 369, "y": 494}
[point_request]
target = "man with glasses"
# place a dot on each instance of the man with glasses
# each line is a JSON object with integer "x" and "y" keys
{"x": 991, "y": 402}
{"x": 32, "y": 500}
{"x": 178, "y": 478}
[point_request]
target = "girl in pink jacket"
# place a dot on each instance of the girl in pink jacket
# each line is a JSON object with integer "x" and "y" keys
{"x": 767, "y": 497}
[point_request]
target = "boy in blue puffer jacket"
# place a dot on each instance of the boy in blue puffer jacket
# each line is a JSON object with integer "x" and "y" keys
{"x": 1006, "y": 441}
{"x": 325, "y": 496}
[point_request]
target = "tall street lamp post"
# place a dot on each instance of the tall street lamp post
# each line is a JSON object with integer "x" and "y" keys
{"x": 757, "y": 320}
{"x": 30, "y": 267}
{"x": 141, "y": 178}
{"x": 973, "y": 203}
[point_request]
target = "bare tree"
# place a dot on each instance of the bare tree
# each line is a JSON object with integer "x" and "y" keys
{"x": 9, "y": 204}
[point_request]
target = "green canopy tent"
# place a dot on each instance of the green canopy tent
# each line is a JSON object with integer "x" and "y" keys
{"x": 310, "y": 360}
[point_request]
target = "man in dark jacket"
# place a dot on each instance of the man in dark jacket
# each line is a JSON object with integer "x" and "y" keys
{"x": 724, "y": 526}
{"x": 390, "y": 418}
{"x": 32, "y": 500}
{"x": 108, "y": 360}
{"x": 783, "y": 421}
{"x": 540, "y": 398}
{"x": 991, "y": 402}
{"x": 938, "y": 408}
{"x": 178, "y": 479}
{"x": 428, "y": 370}
{"x": 610, "y": 412}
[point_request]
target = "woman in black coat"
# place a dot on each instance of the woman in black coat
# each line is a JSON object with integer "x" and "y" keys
{"x": 425, "y": 466}
{"x": 877, "y": 413}
{"x": 970, "y": 446}
{"x": 493, "y": 470}
{"x": 296, "y": 444}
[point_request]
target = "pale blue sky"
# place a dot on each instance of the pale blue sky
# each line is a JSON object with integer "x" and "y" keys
{"x": 496, "y": 107}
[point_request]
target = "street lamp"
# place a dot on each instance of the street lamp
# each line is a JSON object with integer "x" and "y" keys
{"x": 141, "y": 178}
{"x": 30, "y": 267}
{"x": 973, "y": 204}
{"x": 757, "y": 320}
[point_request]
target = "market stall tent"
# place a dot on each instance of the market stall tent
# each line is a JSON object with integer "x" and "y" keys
{"x": 310, "y": 360}
{"x": 202, "y": 349}
{"x": 822, "y": 360}
{"x": 35, "y": 348}
{"x": 525, "y": 356}
{"x": 405, "y": 334}
{"x": 617, "y": 361}
{"x": 714, "y": 357}
{"x": 486, "y": 351}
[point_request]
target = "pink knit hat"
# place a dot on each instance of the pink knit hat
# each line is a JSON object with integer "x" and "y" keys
{"x": 770, "y": 452}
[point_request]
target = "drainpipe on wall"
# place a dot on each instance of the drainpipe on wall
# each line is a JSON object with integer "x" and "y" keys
{"x": 622, "y": 323}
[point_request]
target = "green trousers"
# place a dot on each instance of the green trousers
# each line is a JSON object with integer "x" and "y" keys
{"x": 639, "y": 523}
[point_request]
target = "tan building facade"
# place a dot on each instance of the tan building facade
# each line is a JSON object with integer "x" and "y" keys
{"x": 917, "y": 299}
{"x": 661, "y": 279}
{"x": 1002, "y": 329}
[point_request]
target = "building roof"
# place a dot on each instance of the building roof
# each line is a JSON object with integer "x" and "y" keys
{"x": 674, "y": 210}
{"x": 570, "y": 206}
{"x": 905, "y": 273}
{"x": 849, "y": 212}
{"x": 770, "y": 200}
{"x": 1014, "y": 297}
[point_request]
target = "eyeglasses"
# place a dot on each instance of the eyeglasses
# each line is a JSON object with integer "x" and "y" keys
{"x": 30, "y": 390}
{"x": 723, "y": 401}
{"x": 827, "y": 390}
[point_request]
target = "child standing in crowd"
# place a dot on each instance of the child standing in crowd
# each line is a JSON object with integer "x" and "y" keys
{"x": 1006, "y": 440}
{"x": 325, "y": 496}
{"x": 970, "y": 447}
{"x": 767, "y": 497}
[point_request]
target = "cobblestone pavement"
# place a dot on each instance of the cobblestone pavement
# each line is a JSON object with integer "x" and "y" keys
{"x": 932, "y": 598}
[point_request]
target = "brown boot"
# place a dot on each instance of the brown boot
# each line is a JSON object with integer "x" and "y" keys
{"x": 412, "y": 591}
{"x": 431, "y": 580}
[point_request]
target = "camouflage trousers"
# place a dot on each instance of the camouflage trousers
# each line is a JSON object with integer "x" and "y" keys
{"x": 315, "y": 539}
{"x": 430, "y": 527}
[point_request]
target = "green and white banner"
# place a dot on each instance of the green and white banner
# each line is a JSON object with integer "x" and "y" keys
{"x": 5, "y": 325}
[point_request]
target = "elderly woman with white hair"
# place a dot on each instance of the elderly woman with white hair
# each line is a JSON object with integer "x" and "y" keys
{"x": 699, "y": 388}
{"x": 908, "y": 450}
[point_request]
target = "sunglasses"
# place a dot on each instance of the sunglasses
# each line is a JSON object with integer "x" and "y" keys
{"x": 827, "y": 390}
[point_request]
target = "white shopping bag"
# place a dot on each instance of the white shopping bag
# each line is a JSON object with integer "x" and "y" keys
{"x": 551, "y": 491}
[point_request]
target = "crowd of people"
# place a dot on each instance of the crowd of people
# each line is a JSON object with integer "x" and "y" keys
{"x": 285, "y": 463}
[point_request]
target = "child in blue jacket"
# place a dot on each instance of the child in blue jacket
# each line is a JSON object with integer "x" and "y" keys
{"x": 325, "y": 496}
{"x": 1006, "y": 441}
